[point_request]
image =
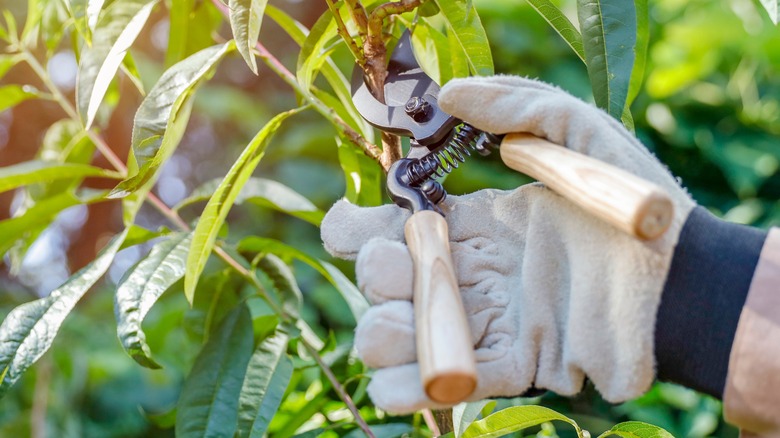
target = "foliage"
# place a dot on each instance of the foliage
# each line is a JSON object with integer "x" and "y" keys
{"x": 249, "y": 327}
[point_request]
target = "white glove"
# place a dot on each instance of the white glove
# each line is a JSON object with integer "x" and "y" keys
{"x": 552, "y": 294}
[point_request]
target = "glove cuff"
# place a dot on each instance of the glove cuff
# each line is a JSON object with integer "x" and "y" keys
{"x": 707, "y": 284}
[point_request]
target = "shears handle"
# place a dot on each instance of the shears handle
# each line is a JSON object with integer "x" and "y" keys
{"x": 638, "y": 207}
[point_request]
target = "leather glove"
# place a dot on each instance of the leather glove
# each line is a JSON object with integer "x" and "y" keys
{"x": 552, "y": 294}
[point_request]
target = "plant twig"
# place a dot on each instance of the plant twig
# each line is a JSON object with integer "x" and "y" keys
{"x": 342, "y": 30}
{"x": 376, "y": 66}
{"x": 274, "y": 64}
{"x": 359, "y": 16}
{"x": 430, "y": 421}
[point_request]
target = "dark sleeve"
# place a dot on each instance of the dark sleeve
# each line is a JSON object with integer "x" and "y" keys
{"x": 705, "y": 290}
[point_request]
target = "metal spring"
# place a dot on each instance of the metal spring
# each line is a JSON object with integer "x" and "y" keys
{"x": 447, "y": 159}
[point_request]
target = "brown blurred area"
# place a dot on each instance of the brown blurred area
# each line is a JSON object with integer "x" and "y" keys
{"x": 22, "y": 128}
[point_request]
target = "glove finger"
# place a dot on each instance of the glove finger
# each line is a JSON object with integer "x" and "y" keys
{"x": 384, "y": 271}
{"x": 347, "y": 227}
{"x": 501, "y": 105}
{"x": 384, "y": 336}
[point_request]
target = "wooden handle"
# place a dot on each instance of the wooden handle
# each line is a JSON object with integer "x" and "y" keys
{"x": 622, "y": 199}
{"x": 444, "y": 349}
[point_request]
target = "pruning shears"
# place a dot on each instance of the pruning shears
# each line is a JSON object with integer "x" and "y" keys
{"x": 439, "y": 142}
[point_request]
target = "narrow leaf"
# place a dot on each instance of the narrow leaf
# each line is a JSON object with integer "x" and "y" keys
{"x": 362, "y": 177}
{"x": 94, "y": 7}
{"x": 12, "y": 95}
{"x": 192, "y": 24}
{"x": 141, "y": 287}
{"x": 284, "y": 283}
{"x": 432, "y": 50}
{"x": 640, "y": 56}
{"x": 245, "y": 19}
{"x": 7, "y": 62}
{"x": 115, "y": 33}
{"x": 41, "y": 214}
{"x": 312, "y": 51}
{"x": 464, "y": 414}
{"x": 464, "y": 24}
{"x": 220, "y": 203}
{"x": 29, "y": 330}
{"x": 773, "y": 9}
{"x": 267, "y": 376}
{"x": 609, "y": 38}
{"x": 162, "y": 117}
{"x": 31, "y": 172}
{"x": 355, "y": 300}
{"x": 264, "y": 192}
{"x": 513, "y": 419}
{"x": 637, "y": 429}
{"x": 208, "y": 405}
{"x": 332, "y": 74}
{"x": 560, "y": 22}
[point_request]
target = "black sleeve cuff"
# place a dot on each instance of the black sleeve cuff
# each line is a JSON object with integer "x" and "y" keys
{"x": 705, "y": 290}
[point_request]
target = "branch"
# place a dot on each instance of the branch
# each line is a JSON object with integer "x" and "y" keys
{"x": 376, "y": 66}
{"x": 342, "y": 30}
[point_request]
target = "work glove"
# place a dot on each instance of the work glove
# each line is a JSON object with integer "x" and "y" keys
{"x": 553, "y": 295}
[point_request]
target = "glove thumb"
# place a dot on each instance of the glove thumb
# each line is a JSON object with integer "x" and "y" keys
{"x": 347, "y": 227}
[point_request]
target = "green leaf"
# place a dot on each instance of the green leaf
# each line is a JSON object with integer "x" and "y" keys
{"x": 192, "y": 24}
{"x": 464, "y": 414}
{"x": 246, "y": 16}
{"x": 29, "y": 330}
{"x": 140, "y": 288}
{"x": 66, "y": 142}
{"x": 115, "y": 33}
{"x": 263, "y": 192}
{"x": 464, "y": 24}
{"x": 137, "y": 235}
{"x": 362, "y": 177}
{"x": 432, "y": 50}
{"x": 355, "y": 300}
{"x": 558, "y": 21}
{"x": 163, "y": 115}
{"x": 40, "y": 215}
{"x": 267, "y": 376}
{"x": 78, "y": 13}
{"x": 513, "y": 419}
{"x": 12, "y": 95}
{"x": 284, "y": 283}
{"x": 219, "y": 205}
{"x": 7, "y": 62}
{"x": 330, "y": 71}
{"x": 609, "y": 37}
{"x": 640, "y": 55}
{"x": 208, "y": 404}
{"x": 313, "y": 52}
{"x": 773, "y": 9}
{"x": 460, "y": 65}
{"x": 637, "y": 429}
{"x": 31, "y": 172}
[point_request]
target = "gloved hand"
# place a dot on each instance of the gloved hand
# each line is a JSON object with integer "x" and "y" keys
{"x": 552, "y": 294}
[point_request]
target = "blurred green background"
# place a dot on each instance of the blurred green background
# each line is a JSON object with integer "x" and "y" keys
{"x": 709, "y": 110}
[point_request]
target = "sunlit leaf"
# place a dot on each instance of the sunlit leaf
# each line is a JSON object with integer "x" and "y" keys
{"x": 636, "y": 429}
{"x": 363, "y": 178}
{"x": 140, "y": 288}
{"x": 773, "y": 9}
{"x": 354, "y": 299}
{"x": 640, "y": 56}
{"x": 432, "y": 51}
{"x": 29, "y": 330}
{"x": 41, "y": 214}
{"x": 513, "y": 419}
{"x": 12, "y": 95}
{"x": 137, "y": 235}
{"x": 267, "y": 376}
{"x": 560, "y": 22}
{"x": 220, "y": 203}
{"x": 466, "y": 28}
{"x": 330, "y": 71}
{"x": 31, "y": 172}
{"x": 7, "y": 62}
{"x": 246, "y": 16}
{"x": 312, "y": 54}
{"x": 263, "y": 192}
{"x": 464, "y": 414}
{"x": 192, "y": 26}
{"x": 115, "y": 33}
{"x": 162, "y": 117}
{"x": 208, "y": 404}
{"x": 94, "y": 8}
{"x": 609, "y": 37}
